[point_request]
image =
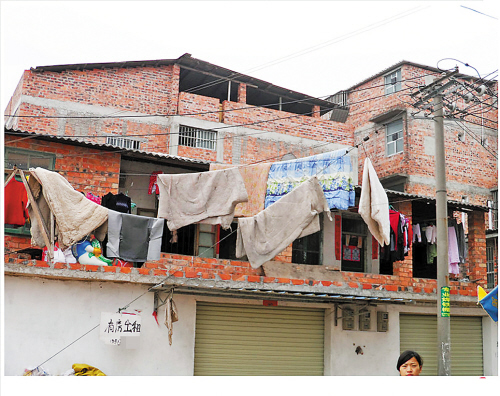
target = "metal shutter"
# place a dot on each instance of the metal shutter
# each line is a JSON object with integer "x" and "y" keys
{"x": 419, "y": 333}
{"x": 234, "y": 339}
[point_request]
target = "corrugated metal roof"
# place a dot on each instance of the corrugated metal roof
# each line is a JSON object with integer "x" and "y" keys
{"x": 109, "y": 147}
{"x": 452, "y": 203}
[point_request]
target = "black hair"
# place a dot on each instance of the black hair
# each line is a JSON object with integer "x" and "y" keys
{"x": 407, "y": 355}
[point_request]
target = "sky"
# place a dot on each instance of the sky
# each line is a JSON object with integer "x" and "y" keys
{"x": 314, "y": 47}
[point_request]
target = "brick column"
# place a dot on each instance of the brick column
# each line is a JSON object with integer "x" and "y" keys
{"x": 175, "y": 93}
{"x": 242, "y": 93}
{"x": 477, "y": 248}
{"x": 316, "y": 112}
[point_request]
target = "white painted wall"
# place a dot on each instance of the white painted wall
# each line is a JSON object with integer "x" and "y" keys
{"x": 380, "y": 349}
{"x": 44, "y": 316}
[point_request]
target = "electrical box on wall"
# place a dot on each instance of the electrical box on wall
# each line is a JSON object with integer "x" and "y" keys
{"x": 382, "y": 321}
{"x": 347, "y": 319}
{"x": 364, "y": 320}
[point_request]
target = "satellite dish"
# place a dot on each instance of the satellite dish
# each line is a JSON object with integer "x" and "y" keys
{"x": 468, "y": 97}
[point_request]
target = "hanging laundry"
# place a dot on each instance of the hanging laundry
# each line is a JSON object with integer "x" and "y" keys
{"x": 374, "y": 205}
{"x": 332, "y": 169}
{"x": 93, "y": 198}
{"x": 268, "y": 233}
{"x": 117, "y": 202}
{"x": 75, "y": 215}
{"x": 255, "y": 179}
{"x": 153, "y": 183}
{"x": 134, "y": 238}
{"x": 417, "y": 236}
{"x": 453, "y": 256}
{"x": 171, "y": 316}
{"x": 15, "y": 203}
{"x": 206, "y": 197}
{"x": 460, "y": 233}
{"x": 431, "y": 233}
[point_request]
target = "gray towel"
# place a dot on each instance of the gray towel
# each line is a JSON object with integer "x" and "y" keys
{"x": 134, "y": 238}
{"x": 206, "y": 197}
{"x": 268, "y": 233}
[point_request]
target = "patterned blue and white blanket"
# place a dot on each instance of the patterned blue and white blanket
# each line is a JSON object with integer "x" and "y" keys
{"x": 334, "y": 172}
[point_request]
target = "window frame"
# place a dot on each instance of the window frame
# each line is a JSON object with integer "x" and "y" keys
{"x": 123, "y": 142}
{"x": 391, "y": 87}
{"x": 307, "y": 252}
{"x": 366, "y": 238}
{"x": 197, "y": 137}
{"x": 394, "y": 142}
{"x": 25, "y": 229}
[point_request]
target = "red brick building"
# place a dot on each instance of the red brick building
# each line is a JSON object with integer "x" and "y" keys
{"x": 107, "y": 127}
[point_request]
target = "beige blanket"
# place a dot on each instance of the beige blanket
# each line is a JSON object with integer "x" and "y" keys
{"x": 255, "y": 178}
{"x": 75, "y": 216}
{"x": 268, "y": 233}
{"x": 374, "y": 205}
{"x": 205, "y": 197}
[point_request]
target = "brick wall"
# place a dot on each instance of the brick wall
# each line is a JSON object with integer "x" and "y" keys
{"x": 469, "y": 166}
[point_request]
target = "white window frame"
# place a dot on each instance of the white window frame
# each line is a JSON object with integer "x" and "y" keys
{"x": 123, "y": 142}
{"x": 197, "y": 137}
{"x": 394, "y": 144}
{"x": 392, "y": 82}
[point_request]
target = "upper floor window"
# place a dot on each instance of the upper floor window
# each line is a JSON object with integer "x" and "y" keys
{"x": 196, "y": 137}
{"x": 123, "y": 142}
{"x": 394, "y": 137}
{"x": 393, "y": 82}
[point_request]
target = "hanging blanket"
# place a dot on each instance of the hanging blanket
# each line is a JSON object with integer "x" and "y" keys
{"x": 134, "y": 238}
{"x": 206, "y": 197}
{"x": 333, "y": 170}
{"x": 296, "y": 215}
{"x": 374, "y": 205}
{"x": 75, "y": 215}
{"x": 255, "y": 178}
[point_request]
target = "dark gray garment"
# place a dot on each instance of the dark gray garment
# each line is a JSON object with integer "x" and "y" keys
{"x": 134, "y": 238}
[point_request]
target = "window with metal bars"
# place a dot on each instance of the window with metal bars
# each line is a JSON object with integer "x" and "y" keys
{"x": 123, "y": 142}
{"x": 196, "y": 137}
{"x": 490, "y": 266}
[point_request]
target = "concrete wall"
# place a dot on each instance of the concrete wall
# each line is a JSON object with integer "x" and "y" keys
{"x": 44, "y": 316}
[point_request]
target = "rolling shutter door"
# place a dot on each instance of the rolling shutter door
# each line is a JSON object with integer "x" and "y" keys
{"x": 419, "y": 333}
{"x": 234, "y": 339}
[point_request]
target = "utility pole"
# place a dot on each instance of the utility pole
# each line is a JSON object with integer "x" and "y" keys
{"x": 435, "y": 91}
{"x": 443, "y": 280}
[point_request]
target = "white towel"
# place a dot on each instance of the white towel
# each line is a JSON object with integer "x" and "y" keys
{"x": 374, "y": 205}
{"x": 263, "y": 236}
{"x": 206, "y": 197}
{"x": 75, "y": 215}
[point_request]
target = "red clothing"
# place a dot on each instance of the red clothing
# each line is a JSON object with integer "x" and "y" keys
{"x": 15, "y": 203}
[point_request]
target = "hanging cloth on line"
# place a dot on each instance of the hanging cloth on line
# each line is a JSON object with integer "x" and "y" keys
{"x": 134, "y": 238}
{"x": 205, "y": 197}
{"x": 268, "y": 233}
